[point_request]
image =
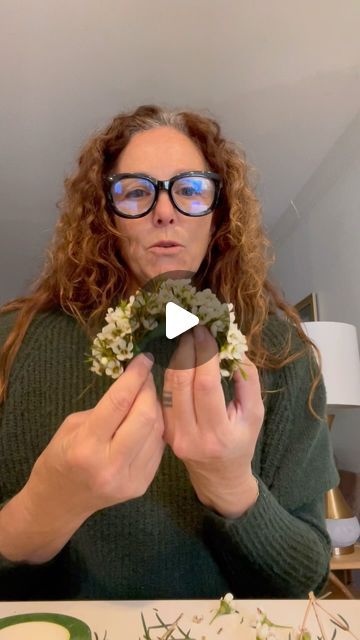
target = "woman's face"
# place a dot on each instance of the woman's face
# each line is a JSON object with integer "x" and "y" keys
{"x": 162, "y": 153}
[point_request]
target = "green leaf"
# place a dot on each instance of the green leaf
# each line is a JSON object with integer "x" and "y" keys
{"x": 344, "y": 626}
{"x": 146, "y": 636}
{"x": 344, "y": 621}
{"x": 186, "y": 635}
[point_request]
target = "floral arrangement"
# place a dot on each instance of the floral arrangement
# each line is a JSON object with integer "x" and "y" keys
{"x": 133, "y": 323}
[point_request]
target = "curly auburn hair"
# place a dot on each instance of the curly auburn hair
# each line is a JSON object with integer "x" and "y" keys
{"x": 84, "y": 272}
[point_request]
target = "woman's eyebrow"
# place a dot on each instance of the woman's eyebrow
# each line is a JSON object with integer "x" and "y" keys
{"x": 174, "y": 173}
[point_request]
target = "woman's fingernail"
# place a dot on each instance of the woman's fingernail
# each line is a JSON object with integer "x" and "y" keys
{"x": 149, "y": 359}
{"x": 200, "y": 333}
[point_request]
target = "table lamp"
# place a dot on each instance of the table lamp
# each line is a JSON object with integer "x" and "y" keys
{"x": 338, "y": 345}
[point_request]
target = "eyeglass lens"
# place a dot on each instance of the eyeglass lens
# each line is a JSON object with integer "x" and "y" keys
{"x": 193, "y": 194}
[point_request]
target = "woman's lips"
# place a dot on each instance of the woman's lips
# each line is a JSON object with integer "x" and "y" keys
{"x": 166, "y": 250}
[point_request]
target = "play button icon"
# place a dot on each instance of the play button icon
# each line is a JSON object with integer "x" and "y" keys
{"x": 178, "y": 320}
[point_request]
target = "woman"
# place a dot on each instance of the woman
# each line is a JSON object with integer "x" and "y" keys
{"x": 95, "y": 506}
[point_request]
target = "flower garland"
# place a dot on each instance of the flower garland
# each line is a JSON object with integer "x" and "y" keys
{"x": 133, "y": 323}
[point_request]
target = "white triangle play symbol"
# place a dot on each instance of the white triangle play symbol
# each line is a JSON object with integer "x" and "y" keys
{"x": 178, "y": 320}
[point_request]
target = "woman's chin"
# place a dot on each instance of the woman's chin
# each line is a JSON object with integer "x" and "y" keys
{"x": 168, "y": 268}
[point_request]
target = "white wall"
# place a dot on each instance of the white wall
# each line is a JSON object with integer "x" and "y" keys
{"x": 264, "y": 69}
{"x": 318, "y": 250}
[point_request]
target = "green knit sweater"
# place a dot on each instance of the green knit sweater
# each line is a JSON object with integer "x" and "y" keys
{"x": 166, "y": 544}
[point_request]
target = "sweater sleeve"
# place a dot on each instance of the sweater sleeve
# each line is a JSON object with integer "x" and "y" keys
{"x": 280, "y": 547}
{"x": 56, "y": 579}
{"x": 53, "y": 580}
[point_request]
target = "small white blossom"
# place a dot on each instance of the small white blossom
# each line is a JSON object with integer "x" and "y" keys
{"x": 114, "y": 369}
{"x": 216, "y": 327}
{"x": 225, "y": 373}
{"x": 228, "y": 597}
{"x": 123, "y": 349}
{"x": 149, "y": 323}
{"x": 96, "y": 368}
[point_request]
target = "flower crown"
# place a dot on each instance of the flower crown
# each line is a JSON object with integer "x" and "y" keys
{"x": 135, "y": 322}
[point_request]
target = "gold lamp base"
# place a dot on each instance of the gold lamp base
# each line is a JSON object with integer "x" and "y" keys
{"x": 336, "y": 506}
{"x": 343, "y": 526}
{"x": 337, "y": 509}
{"x": 343, "y": 551}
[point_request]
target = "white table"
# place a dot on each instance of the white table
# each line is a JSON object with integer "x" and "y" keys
{"x": 121, "y": 620}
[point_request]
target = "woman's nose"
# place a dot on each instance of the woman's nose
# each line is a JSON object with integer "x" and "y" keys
{"x": 164, "y": 211}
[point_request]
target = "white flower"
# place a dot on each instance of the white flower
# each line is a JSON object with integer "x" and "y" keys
{"x": 96, "y": 368}
{"x": 228, "y": 597}
{"x": 225, "y": 373}
{"x": 149, "y": 323}
{"x": 217, "y": 326}
{"x": 114, "y": 369}
{"x": 134, "y": 324}
{"x": 123, "y": 349}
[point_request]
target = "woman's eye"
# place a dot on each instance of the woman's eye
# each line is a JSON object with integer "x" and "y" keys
{"x": 136, "y": 193}
{"x": 187, "y": 191}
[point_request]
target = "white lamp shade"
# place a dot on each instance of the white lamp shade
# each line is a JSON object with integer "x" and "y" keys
{"x": 338, "y": 345}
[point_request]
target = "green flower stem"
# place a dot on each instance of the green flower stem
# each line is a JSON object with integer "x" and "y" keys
{"x": 224, "y": 609}
{"x": 158, "y": 332}
{"x": 271, "y": 624}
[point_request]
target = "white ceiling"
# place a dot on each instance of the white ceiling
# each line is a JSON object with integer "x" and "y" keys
{"x": 283, "y": 77}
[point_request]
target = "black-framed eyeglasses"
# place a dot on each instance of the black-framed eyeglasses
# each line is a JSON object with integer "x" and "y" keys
{"x": 134, "y": 195}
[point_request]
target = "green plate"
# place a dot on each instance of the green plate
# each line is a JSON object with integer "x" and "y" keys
{"x": 77, "y": 629}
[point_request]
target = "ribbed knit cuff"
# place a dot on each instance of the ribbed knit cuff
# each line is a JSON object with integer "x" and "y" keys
{"x": 57, "y": 579}
{"x": 286, "y": 551}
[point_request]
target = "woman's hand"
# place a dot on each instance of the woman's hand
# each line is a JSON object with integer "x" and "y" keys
{"x": 108, "y": 454}
{"x": 97, "y": 458}
{"x": 215, "y": 442}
